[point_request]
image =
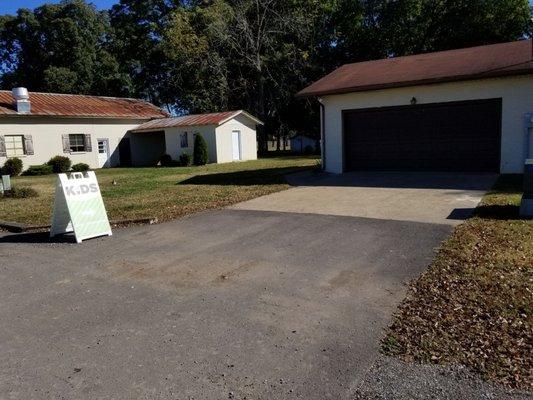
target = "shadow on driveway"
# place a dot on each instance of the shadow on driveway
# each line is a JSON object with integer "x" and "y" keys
{"x": 267, "y": 176}
{"x": 36, "y": 237}
{"x": 397, "y": 180}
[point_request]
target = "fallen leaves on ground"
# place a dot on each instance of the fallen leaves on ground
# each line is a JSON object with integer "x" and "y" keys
{"x": 473, "y": 306}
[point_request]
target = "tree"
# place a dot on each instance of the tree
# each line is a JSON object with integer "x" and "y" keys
{"x": 199, "y": 67}
{"x": 137, "y": 31}
{"x": 250, "y": 54}
{"x": 200, "y": 155}
{"x": 60, "y": 47}
{"x": 380, "y": 28}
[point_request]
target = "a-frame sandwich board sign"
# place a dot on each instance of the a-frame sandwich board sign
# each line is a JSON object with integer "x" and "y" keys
{"x": 78, "y": 207}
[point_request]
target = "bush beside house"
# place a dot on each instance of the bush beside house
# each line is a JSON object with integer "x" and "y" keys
{"x": 80, "y": 167}
{"x": 200, "y": 156}
{"x": 60, "y": 164}
{"x": 185, "y": 160}
{"x": 12, "y": 166}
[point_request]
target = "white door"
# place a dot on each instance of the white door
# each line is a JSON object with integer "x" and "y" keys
{"x": 103, "y": 153}
{"x": 236, "y": 145}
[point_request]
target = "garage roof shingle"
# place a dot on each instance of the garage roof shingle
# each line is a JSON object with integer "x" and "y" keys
{"x": 504, "y": 59}
{"x": 72, "y": 105}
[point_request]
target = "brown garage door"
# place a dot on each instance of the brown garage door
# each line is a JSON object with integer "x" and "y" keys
{"x": 459, "y": 136}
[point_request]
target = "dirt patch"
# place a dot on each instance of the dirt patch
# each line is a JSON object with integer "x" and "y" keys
{"x": 177, "y": 275}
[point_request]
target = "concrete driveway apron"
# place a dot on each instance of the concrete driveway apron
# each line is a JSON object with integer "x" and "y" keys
{"x": 438, "y": 198}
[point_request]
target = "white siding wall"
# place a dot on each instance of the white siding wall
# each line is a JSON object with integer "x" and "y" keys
{"x": 47, "y": 132}
{"x": 248, "y": 139}
{"x": 517, "y": 100}
{"x": 174, "y": 149}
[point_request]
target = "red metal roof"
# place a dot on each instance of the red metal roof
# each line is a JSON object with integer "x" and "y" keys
{"x": 193, "y": 120}
{"x": 71, "y": 105}
{"x": 504, "y": 59}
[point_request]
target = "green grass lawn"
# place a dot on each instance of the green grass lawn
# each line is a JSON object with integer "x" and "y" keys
{"x": 164, "y": 193}
{"x": 474, "y": 305}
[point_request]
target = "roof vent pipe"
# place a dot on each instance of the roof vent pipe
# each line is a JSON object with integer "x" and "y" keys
{"x": 21, "y": 100}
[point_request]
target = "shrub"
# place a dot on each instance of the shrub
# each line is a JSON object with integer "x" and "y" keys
{"x": 34, "y": 170}
{"x": 60, "y": 164}
{"x": 21, "y": 193}
{"x": 80, "y": 167}
{"x": 200, "y": 156}
{"x": 185, "y": 160}
{"x": 12, "y": 166}
{"x": 165, "y": 160}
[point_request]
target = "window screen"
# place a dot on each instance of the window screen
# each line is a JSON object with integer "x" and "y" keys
{"x": 77, "y": 142}
{"x": 184, "y": 140}
{"x": 14, "y": 145}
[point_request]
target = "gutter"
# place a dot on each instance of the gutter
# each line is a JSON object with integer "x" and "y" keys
{"x": 322, "y": 132}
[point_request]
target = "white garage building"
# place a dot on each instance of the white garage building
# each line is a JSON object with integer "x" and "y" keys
{"x": 460, "y": 110}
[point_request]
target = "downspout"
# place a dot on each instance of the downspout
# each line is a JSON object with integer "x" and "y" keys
{"x": 322, "y": 133}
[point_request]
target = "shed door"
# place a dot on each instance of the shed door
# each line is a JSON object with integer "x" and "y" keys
{"x": 459, "y": 136}
{"x": 236, "y": 145}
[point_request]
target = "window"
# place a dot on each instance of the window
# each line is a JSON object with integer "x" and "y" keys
{"x": 184, "y": 140}
{"x": 76, "y": 142}
{"x": 14, "y": 145}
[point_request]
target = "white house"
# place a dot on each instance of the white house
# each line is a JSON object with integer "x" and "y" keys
{"x": 108, "y": 131}
{"x": 230, "y": 136}
{"x": 460, "y": 110}
{"x": 88, "y": 129}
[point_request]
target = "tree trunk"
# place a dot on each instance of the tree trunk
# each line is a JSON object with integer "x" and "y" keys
{"x": 263, "y": 138}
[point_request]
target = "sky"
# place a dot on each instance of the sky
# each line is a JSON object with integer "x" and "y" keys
{"x": 11, "y": 7}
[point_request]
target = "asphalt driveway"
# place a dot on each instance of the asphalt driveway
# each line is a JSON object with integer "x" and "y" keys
{"x": 235, "y": 303}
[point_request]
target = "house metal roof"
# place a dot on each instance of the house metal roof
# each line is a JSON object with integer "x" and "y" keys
{"x": 504, "y": 59}
{"x": 82, "y": 106}
{"x": 194, "y": 120}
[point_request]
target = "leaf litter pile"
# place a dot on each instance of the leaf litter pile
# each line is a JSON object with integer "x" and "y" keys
{"x": 473, "y": 306}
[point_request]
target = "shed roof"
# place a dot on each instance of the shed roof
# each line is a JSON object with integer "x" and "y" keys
{"x": 194, "y": 120}
{"x": 82, "y": 106}
{"x": 504, "y": 59}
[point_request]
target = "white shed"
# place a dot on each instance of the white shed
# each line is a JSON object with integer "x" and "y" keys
{"x": 230, "y": 136}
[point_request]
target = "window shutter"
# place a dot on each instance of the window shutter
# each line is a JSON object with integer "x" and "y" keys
{"x": 2, "y": 147}
{"x": 28, "y": 145}
{"x": 88, "y": 144}
{"x": 66, "y": 143}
